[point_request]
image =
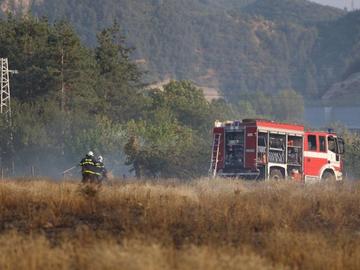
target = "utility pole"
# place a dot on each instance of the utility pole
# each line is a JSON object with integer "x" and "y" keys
{"x": 5, "y": 107}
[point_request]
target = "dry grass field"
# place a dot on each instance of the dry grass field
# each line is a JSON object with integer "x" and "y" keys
{"x": 205, "y": 224}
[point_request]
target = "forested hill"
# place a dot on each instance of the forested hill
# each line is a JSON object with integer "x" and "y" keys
{"x": 235, "y": 46}
{"x": 299, "y": 11}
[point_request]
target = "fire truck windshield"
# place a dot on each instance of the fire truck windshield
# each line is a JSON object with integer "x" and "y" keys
{"x": 332, "y": 144}
{"x": 341, "y": 146}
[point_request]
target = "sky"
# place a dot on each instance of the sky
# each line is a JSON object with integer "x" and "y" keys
{"x": 339, "y": 3}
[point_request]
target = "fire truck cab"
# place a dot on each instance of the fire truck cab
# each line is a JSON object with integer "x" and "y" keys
{"x": 262, "y": 149}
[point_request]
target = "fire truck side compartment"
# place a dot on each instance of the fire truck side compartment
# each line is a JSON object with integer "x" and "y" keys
{"x": 277, "y": 148}
{"x": 250, "y": 147}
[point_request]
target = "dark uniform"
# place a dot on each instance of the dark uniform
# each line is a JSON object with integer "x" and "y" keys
{"x": 101, "y": 171}
{"x": 88, "y": 169}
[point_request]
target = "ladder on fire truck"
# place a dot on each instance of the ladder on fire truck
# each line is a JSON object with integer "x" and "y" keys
{"x": 215, "y": 155}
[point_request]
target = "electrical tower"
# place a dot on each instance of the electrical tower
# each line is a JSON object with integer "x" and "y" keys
{"x": 7, "y": 153}
{"x": 5, "y": 106}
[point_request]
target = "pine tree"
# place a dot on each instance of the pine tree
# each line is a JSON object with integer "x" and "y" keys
{"x": 72, "y": 69}
{"x": 119, "y": 85}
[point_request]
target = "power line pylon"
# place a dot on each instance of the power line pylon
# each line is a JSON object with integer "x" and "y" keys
{"x": 5, "y": 105}
{"x": 5, "y": 110}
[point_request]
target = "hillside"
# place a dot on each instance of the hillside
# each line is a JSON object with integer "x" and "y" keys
{"x": 299, "y": 11}
{"x": 337, "y": 51}
{"x": 235, "y": 46}
{"x": 344, "y": 91}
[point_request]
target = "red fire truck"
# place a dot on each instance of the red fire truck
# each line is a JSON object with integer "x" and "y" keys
{"x": 262, "y": 149}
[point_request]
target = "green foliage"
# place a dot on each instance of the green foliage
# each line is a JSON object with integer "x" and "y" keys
{"x": 119, "y": 84}
{"x": 158, "y": 149}
{"x": 246, "y": 109}
{"x": 352, "y": 150}
{"x": 299, "y": 11}
{"x": 103, "y": 136}
{"x": 288, "y": 106}
{"x": 59, "y": 111}
{"x": 174, "y": 140}
{"x": 222, "y": 110}
{"x": 71, "y": 69}
{"x": 51, "y": 62}
{"x": 185, "y": 102}
{"x": 352, "y": 156}
{"x": 337, "y": 51}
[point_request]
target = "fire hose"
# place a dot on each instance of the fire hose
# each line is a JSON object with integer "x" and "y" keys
{"x": 68, "y": 170}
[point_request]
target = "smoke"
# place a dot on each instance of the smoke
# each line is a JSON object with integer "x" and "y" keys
{"x": 46, "y": 163}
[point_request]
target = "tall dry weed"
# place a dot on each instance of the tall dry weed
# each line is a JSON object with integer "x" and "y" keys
{"x": 37, "y": 253}
{"x": 268, "y": 224}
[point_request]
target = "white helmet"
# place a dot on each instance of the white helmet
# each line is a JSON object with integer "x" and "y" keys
{"x": 90, "y": 153}
{"x": 100, "y": 158}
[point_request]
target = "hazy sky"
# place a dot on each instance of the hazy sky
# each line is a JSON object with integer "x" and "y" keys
{"x": 339, "y": 3}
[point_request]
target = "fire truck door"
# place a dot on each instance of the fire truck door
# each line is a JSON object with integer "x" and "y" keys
{"x": 250, "y": 147}
{"x": 333, "y": 153}
{"x": 315, "y": 157}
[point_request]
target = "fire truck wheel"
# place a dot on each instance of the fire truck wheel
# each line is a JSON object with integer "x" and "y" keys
{"x": 275, "y": 174}
{"x": 328, "y": 177}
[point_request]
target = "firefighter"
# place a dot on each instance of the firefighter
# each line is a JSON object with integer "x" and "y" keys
{"x": 101, "y": 172}
{"x": 88, "y": 168}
